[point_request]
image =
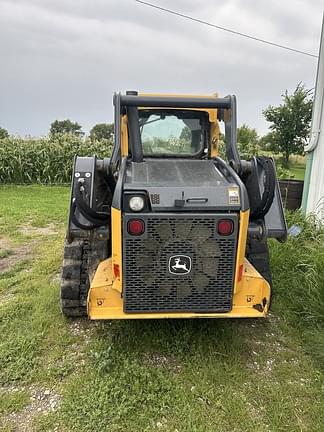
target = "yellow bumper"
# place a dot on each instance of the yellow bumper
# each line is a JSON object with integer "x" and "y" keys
{"x": 250, "y": 301}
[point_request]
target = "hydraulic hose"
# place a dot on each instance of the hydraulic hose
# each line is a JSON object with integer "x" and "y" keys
{"x": 96, "y": 219}
{"x": 78, "y": 223}
{"x": 87, "y": 210}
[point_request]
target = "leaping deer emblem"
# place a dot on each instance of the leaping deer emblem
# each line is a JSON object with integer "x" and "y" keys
{"x": 177, "y": 265}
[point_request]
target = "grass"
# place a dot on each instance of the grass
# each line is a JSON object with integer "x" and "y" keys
{"x": 165, "y": 375}
{"x": 300, "y": 265}
{"x": 13, "y": 401}
{"x": 297, "y": 170}
{"x": 4, "y": 253}
{"x": 296, "y": 167}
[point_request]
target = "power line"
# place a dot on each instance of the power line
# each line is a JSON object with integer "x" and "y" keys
{"x": 224, "y": 28}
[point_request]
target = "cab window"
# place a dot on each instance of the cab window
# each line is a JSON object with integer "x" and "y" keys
{"x": 172, "y": 132}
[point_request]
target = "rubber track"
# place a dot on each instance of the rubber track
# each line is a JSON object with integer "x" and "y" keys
{"x": 75, "y": 280}
{"x": 81, "y": 258}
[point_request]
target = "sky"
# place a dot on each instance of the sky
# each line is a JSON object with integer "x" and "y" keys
{"x": 65, "y": 59}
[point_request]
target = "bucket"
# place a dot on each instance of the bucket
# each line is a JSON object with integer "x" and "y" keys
{"x": 291, "y": 193}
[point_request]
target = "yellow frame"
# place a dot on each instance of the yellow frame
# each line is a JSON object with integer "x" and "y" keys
{"x": 251, "y": 297}
{"x": 105, "y": 302}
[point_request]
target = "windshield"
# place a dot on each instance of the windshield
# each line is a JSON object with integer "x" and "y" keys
{"x": 172, "y": 132}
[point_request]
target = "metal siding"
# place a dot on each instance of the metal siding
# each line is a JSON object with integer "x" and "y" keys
{"x": 315, "y": 196}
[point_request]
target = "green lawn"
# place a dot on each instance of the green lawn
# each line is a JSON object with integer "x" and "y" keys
{"x": 174, "y": 375}
{"x": 296, "y": 170}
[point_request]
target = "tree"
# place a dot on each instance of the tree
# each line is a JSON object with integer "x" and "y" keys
{"x": 102, "y": 131}
{"x": 60, "y": 127}
{"x": 185, "y": 134}
{"x": 247, "y": 140}
{"x": 290, "y": 121}
{"x": 268, "y": 143}
{"x": 3, "y": 133}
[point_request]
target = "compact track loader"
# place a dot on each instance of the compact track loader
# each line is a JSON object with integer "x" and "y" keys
{"x": 165, "y": 227}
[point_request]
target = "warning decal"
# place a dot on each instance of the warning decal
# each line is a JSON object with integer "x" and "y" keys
{"x": 233, "y": 196}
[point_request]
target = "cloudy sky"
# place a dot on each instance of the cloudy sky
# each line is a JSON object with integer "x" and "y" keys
{"x": 64, "y": 59}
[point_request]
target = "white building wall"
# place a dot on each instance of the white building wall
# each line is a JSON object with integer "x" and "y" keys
{"x": 315, "y": 200}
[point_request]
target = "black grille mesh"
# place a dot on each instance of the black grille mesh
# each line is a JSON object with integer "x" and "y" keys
{"x": 150, "y": 287}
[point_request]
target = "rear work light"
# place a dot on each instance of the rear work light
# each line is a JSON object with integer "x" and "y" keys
{"x": 135, "y": 227}
{"x": 225, "y": 227}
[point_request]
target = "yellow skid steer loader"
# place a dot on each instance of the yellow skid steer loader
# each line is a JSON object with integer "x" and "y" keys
{"x": 165, "y": 227}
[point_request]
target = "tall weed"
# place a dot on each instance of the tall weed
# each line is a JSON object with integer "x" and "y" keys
{"x": 298, "y": 273}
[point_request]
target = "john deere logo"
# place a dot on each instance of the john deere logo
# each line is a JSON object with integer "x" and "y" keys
{"x": 179, "y": 264}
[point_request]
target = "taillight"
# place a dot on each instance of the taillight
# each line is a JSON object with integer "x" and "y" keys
{"x": 225, "y": 227}
{"x": 135, "y": 227}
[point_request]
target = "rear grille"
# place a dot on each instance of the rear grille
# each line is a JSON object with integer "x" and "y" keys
{"x": 178, "y": 243}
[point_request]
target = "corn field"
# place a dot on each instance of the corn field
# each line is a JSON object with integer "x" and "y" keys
{"x": 45, "y": 160}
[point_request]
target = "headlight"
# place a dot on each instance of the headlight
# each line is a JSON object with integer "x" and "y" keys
{"x": 136, "y": 203}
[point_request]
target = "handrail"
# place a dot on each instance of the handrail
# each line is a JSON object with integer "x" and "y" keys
{"x": 174, "y": 101}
